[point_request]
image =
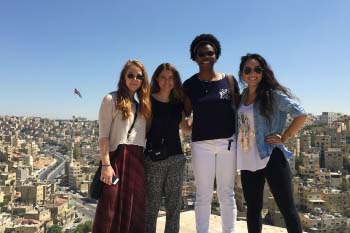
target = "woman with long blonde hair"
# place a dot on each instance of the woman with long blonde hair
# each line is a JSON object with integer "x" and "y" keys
{"x": 122, "y": 129}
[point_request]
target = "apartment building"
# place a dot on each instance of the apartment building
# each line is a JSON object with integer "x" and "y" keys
{"x": 324, "y": 223}
{"x": 307, "y": 193}
{"x": 311, "y": 164}
{"x": 41, "y": 214}
{"x": 305, "y": 142}
{"x": 329, "y": 117}
{"x": 336, "y": 201}
{"x": 26, "y": 226}
{"x": 61, "y": 211}
{"x": 73, "y": 170}
{"x": 32, "y": 193}
{"x": 323, "y": 141}
{"x": 333, "y": 159}
{"x": 328, "y": 179}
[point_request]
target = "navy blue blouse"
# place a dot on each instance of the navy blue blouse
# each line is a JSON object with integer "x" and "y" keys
{"x": 213, "y": 115}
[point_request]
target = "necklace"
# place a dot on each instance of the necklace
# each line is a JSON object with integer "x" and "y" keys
{"x": 205, "y": 85}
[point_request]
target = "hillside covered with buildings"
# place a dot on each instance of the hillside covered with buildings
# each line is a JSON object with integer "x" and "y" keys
{"x": 46, "y": 167}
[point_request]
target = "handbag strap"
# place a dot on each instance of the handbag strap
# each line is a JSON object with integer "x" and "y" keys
{"x": 114, "y": 96}
{"x": 235, "y": 97}
{"x": 133, "y": 123}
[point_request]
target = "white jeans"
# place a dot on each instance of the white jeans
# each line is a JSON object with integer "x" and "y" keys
{"x": 210, "y": 159}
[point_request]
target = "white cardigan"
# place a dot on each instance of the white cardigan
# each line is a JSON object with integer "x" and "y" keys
{"x": 113, "y": 127}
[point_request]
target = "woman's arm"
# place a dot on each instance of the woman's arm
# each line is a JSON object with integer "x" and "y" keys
{"x": 293, "y": 128}
{"x": 288, "y": 133}
{"x": 107, "y": 171}
{"x": 105, "y": 119}
{"x": 187, "y": 106}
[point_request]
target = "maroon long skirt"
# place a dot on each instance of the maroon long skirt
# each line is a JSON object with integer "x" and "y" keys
{"x": 121, "y": 208}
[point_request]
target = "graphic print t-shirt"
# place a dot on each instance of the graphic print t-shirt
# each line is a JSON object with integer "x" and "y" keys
{"x": 247, "y": 151}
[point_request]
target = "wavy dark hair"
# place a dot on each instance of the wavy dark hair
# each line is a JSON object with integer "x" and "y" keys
{"x": 176, "y": 94}
{"x": 268, "y": 84}
{"x": 205, "y": 39}
{"x": 123, "y": 99}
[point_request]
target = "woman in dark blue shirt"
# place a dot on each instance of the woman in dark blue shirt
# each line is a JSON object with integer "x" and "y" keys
{"x": 208, "y": 95}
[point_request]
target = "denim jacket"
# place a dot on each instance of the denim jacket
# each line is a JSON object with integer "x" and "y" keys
{"x": 283, "y": 106}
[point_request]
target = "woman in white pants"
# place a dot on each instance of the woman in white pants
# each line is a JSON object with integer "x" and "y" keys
{"x": 209, "y": 97}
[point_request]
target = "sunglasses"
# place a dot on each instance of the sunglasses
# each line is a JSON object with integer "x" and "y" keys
{"x": 132, "y": 76}
{"x": 257, "y": 70}
{"x": 204, "y": 54}
{"x": 164, "y": 79}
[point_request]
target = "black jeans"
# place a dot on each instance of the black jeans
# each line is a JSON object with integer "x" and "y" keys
{"x": 278, "y": 175}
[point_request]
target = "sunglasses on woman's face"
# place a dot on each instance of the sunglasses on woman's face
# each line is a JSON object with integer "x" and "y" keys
{"x": 204, "y": 54}
{"x": 257, "y": 70}
{"x": 132, "y": 76}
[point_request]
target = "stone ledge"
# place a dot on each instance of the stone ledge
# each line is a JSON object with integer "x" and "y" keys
{"x": 188, "y": 224}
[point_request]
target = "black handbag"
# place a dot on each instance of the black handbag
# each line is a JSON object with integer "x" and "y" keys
{"x": 96, "y": 186}
{"x": 157, "y": 153}
{"x": 95, "y": 190}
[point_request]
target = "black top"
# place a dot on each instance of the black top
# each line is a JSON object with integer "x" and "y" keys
{"x": 213, "y": 115}
{"x": 166, "y": 118}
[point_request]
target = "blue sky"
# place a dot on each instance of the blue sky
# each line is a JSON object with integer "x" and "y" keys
{"x": 48, "y": 48}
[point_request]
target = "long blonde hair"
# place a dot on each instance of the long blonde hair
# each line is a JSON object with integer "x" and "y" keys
{"x": 123, "y": 99}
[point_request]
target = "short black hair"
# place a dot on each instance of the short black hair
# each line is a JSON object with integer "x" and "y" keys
{"x": 204, "y": 39}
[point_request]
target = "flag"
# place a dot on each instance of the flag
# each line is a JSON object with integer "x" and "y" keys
{"x": 77, "y": 93}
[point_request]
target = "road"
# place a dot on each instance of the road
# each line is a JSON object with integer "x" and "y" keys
{"x": 52, "y": 176}
{"x": 84, "y": 208}
{"x": 88, "y": 209}
{"x": 59, "y": 162}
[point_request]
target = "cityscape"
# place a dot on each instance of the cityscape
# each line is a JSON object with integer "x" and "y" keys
{"x": 46, "y": 168}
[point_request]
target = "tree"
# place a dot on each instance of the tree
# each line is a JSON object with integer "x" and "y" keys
{"x": 84, "y": 227}
{"x": 298, "y": 162}
{"x": 344, "y": 186}
{"x": 76, "y": 152}
{"x": 55, "y": 229}
{"x": 346, "y": 213}
{"x": 346, "y": 164}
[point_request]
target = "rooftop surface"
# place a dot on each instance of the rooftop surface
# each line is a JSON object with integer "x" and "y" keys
{"x": 188, "y": 224}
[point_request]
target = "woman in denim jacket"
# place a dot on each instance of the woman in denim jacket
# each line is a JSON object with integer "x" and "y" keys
{"x": 261, "y": 154}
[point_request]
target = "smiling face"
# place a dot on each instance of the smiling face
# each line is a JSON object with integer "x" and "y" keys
{"x": 166, "y": 81}
{"x": 252, "y": 73}
{"x": 133, "y": 79}
{"x": 206, "y": 57}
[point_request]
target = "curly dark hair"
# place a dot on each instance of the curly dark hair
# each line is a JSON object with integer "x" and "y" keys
{"x": 205, "y": 39}
{"x": 266, "y": 86}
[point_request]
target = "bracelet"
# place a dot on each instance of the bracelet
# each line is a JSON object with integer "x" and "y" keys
{"x": 106, "y": 165}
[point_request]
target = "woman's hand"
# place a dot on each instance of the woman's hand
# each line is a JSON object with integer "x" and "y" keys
{"x": 186, "y": 124}
{"x": 106, "y": 174}
{"x": 274, "y": 138}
